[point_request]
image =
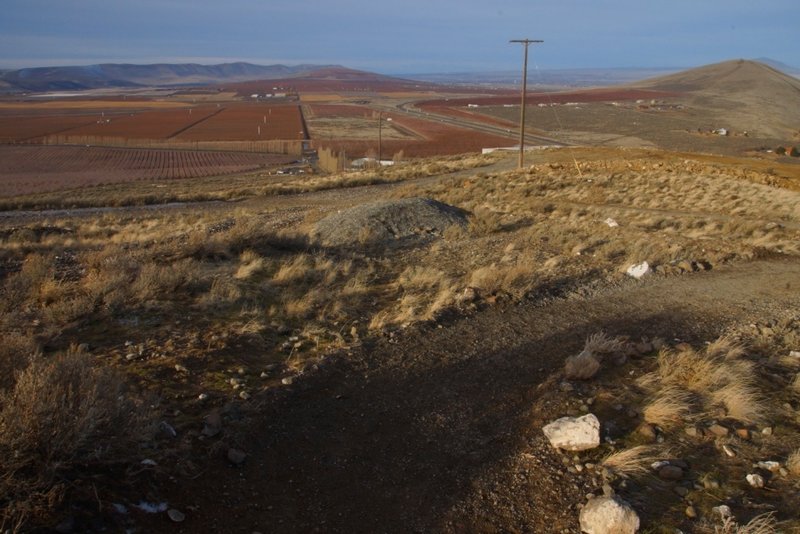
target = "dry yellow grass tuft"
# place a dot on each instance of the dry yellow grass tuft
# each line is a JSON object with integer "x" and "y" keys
{"x": 635, "y": 461}
{"x": 793, "y": 463}
{"x": 670, "y": 407}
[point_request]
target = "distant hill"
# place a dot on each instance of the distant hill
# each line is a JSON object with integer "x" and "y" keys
{"x": 128, "y": 75}
{"x": 749, "y": 95}
{"x": 544, "y": 77}
{"x": 332, "y": 79}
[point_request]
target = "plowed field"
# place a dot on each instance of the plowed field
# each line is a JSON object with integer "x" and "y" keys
{"x": 147, "y": 125}
{"x": 35, "y": 169}
{"x": 249, "y": 122}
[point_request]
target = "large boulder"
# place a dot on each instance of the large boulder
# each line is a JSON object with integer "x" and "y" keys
{"x": 574, "y": 434}
{"x": 388, "y": 221}
{"x": 608, "y": 515}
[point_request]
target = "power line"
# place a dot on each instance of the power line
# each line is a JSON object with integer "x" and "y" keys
{"x": 525, "y": 42}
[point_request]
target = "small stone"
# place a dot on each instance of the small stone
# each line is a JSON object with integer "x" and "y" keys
{"x": 212, "y": 424}
{"x": 638, "y": 270}
{"x": 743, "y": 433}
{"x": 244, "y": 395}
{"x": 202, "y": 396}
{"x": 769, "y": 465}
{"x": 767, "y": 431}
{"x": 566, "y": 387}
{"x": 608, "y": 491}
{"x": 579, "y": 468}
{"x": 131, "y": 356}
{"x": 691, "y": 512}
{"x": 718, "y": 430}
{"x": 181, "y": 368}
{"x": 723, "y": 511}
{"x": 176, "y": 515}
{"x": 755, "y": 480}
{"x": 647, "y": 431}
{"x": 670, "y": 472}
{"x": 692, "y": 431}
{"x": 287, "y": 381}
{"x": 264, "y": 374}
{"x": 784, "y": 472}
{"x": 710, "y": 483}
{"x": 681, "y": 491}
{"x": 241, "y": 370}
{"x": 729, "y": 452}
{"x": 236, "y": 456}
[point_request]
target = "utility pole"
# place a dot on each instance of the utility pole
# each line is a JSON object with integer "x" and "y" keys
{"x": 380, "y": 138}
{"x": 525, "y": 42}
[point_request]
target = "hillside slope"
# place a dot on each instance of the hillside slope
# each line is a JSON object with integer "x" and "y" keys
{"x": 127, "y": 75}
{"x": 752, "y": 96}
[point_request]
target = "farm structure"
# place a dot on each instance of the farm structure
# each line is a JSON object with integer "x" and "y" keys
{"x": 35, "y": 169}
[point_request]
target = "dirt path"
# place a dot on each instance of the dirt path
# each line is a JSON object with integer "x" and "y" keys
{"x": 439, "y": 430}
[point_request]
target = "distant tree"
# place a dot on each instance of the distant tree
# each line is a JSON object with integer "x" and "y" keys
{"x": 780, "y": 150}
{"x": 794, "y": 152}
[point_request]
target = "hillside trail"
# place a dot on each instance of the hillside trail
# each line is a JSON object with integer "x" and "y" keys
{"x": 439, "y": 428}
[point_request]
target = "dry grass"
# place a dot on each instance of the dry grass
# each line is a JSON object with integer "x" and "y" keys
{"x": 762, "y": 524}
{"x": 633, "y": 462}
{"x": 717, "y": 378}
{"x": 670, "y": 407}
{"x": 793, "y": 463}
{"x": 63, "y": 418}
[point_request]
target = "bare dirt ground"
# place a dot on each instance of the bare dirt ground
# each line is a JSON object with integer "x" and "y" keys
{"x": 439, "y": 430}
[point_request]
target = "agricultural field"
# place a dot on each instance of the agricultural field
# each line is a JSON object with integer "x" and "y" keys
{"x": 162, "y": 124}
{"x": 354, "y": 129}
{"x": 36, "y": 169}
{"x": 249, "y": 122}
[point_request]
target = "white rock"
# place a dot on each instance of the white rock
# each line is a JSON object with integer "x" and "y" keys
{"x": 769, "y": 465}
{"x": 148, "y": 462}
{"x": 608, "y": 515}
{"x": 723, "y": 510}
{"x": 755, "y": 480}
{"x": 574, "y": 434}
{"x": 794, "y": 354}
{"x": 202, "y": 396}
{"x": 639, "y": 270}
{"x": 176, "y": 515}
{"x": 611, "y": 223}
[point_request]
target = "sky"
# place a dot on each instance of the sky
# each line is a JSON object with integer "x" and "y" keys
{"x": 399, "y": 37}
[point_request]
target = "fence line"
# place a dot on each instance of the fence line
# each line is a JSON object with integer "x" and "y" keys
{"x": 275, "y": 146}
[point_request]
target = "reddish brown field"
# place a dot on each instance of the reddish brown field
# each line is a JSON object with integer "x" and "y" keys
{"x": 147, "y": 125}
{"x": 339, "y": 110}
{"x": 36, "y": 169}
{"x": 242, "y": 122}
{"x": 25, "y": 128}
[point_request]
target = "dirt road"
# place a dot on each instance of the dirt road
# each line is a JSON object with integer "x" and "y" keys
{"x": 439, "y": 429}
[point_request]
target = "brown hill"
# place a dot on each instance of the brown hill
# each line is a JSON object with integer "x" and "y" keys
{"x": 748, "y": 95}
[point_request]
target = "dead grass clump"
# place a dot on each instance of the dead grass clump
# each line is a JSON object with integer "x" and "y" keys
{"x": 298, "y": 269}
{"x": 668, "y": 408}
{"x": 62, "y": 418}
{"x": 633, "y": 462}
{"x": 741, "y": 401}
{"x": 719, "y": 378}
{"x": 793, "y": 463}
{"x": 251, "y": 264}
{"x": 600, "y": 343}
{"x": 762, "y": 524}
